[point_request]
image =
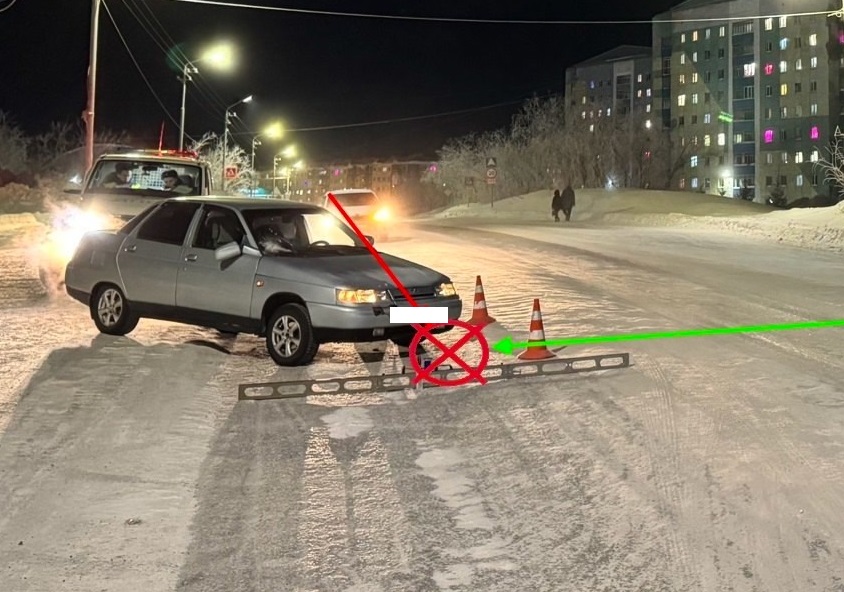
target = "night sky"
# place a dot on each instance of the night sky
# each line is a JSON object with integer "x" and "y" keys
{"x": 305, "y": 70}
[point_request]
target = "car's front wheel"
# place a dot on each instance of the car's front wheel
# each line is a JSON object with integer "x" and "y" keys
{"x": 290, "y": 336}
{"x": 111, "y": 311}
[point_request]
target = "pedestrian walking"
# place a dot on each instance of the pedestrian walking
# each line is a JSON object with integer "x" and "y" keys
{"x": 567, "y": 201}
{"x": 556, "y": 205}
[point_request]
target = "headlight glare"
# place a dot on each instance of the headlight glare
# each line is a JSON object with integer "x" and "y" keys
{"x": 382, "y": 214}
{"x": 446, "y": 289}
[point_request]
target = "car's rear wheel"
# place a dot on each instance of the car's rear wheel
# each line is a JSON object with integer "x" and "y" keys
{"x": 290, "y": 336}
{"x": 111, "y": 311}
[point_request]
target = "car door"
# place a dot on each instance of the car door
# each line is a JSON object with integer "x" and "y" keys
{"x": 150, "y": 257}
{"x": 207, "y": 285}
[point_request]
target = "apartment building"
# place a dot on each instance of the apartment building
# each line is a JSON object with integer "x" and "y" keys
{"x": 751, "y": 94}
{"x": 619, "y": 79}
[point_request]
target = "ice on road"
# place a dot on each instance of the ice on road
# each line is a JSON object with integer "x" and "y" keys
{"x": 712, "y": 463}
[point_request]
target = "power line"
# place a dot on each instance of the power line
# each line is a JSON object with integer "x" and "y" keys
{"x": 501, "y": 21}
{"x": 402, "y": 119}
{"x": 140, "y": 71}
{"x": 8, "y": 6}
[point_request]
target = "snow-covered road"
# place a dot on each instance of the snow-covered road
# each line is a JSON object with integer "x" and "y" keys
{"x": 714, "y": 463}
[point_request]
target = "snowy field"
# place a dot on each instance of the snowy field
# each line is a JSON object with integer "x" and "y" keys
{"x": 712, "y": 464}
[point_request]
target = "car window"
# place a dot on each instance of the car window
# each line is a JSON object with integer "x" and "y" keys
{"x": 144, "y": 177}
{"x": 352, "y": 200}
{"x": 169, "y": 223}
{"x": 133, "y": 223}
{"x": 217, "y": 227}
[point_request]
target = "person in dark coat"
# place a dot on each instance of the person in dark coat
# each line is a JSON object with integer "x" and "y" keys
{"x": 567, "y": 201}
{"x": 556, "y": 205}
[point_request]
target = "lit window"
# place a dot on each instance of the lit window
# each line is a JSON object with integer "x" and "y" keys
{"x": 583, "y": 115}
{"x": 682, "y": 58}
{"x": 648, "y": 92}
{"x": 693, "y": 161}
{"x": 707, "y": 140}
{"x": 722, "y": 139}
{"x": 750, "y": 70}
{"x": 813, "y": 109}
{"x": 798, "y": 65}
{"x": 707, "y": 118}
{"x": 682, "y": 37}
{"x": 695, "y": 99}
{"x": 783, "y": 89}
{"x": 815, "y": 157}
{"x": 681, "y": 100}
{"x": 813, "y": 62}
{"x": 694, "y": 183}
{"x": 694, "y": 77}
{"x": 769, "y": 136}
{"x": 769, "y": 69}
{"x": 769, "y": 24}
{"x": 647, "y": 108}
{"x": 783, "y": 22}
{"x": 799, "y": 180}
{"x": 694, "y": 36}
{"x": 639, "y": 94}
{"x": 609, "y": 111}
{"x": 639, "y": 78}
{"x": 583, "y": 101}
{"x": 769, "y": 158}
{"x": 694, "y": 56}
{"x": 682, "y": 79}
{"x": 783, "y": 66}
{"x": 784, "y": 156}
{"x": 648, "y": 124}
{"x": 722, "y": 31}
{"x": 591, "y": 127}
{"x": 813, "y": 39}
{"x": 708, "y": 33}
{"x": 798, "y": 157}
{"x": 682, "y": 183}
{"x": 784, "y": 43}
{"x": 815, "y": 133}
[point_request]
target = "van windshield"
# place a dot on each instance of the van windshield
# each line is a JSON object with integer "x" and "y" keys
{"x": 363, "y": 198}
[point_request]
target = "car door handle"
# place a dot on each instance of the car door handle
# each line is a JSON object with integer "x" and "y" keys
{"x": 131, "y": 249}
{"x": 191, "y": 258}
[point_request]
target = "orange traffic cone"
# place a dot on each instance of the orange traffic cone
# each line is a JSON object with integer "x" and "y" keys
{"x": 480, "y": 316}
{"x": 537, "y": 334}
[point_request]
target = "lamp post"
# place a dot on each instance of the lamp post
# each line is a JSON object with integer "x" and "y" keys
{"x": 226, "y": 136}
{"x": 272, "y": 131}
{"x": 220, "y": 56}
{"x": 289, "y": 152}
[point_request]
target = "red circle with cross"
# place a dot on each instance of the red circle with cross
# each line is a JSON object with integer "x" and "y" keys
{"x": 449, "y": 353}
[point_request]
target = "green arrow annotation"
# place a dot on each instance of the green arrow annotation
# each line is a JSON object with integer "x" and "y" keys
{"x": 507, "y": 345}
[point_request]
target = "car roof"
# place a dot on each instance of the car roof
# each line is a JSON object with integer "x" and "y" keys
{"x": 153, "y": 156}
{"x": 249, "y": 203}
{"x": 345, "y": 191}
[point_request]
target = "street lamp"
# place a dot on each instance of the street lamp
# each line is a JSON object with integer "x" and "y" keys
{"x": 272, "y": 131}
{"x": 226, "y": 136}
{"x": 289, "y": 152}
{"x": 220, "y": 57}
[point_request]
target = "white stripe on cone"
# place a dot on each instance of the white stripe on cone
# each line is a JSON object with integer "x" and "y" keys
{"x": 480, "y": 304}
{"x": 537, "y": 335}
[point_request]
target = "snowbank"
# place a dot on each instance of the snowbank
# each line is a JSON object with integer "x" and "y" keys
{"x": 15, "y": 221}
{"x": 805, "y": 227}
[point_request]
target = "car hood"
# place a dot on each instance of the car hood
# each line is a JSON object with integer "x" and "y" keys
{"x": 352, "y": 271}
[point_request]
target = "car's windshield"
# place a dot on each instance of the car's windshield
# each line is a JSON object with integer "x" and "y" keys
{"x": 352, "y": 200}
{"x": 287, "y": 230}
{"x": 145, "y": 177}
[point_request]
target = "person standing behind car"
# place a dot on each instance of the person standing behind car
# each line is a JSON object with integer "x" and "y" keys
{"x": 556, "y": 205}
{"x": 567, "y": 201}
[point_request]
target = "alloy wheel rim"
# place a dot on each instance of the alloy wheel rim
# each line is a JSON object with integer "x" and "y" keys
{"x": 110, "y": 307}
{"x": 286, "y": 336}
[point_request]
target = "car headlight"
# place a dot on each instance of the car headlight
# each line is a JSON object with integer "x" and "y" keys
{"x": 446, "y": 289}
{"x": 382, "y": 214}
{"x": 346, "y": 296}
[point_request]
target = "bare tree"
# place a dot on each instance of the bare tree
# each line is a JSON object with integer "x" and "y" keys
{"x": 210, "y": 149}
{"x": 13, "y": 145}
{"x": 833, "y": 167}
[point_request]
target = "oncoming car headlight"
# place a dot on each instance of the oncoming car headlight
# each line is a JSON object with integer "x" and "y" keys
{"x": 345, "y": 296}
{"x": 382, "y": 215}
{"x": 446, "y": 289}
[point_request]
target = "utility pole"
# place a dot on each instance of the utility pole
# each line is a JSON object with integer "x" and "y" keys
{"x": 187, "y": 70}
{"x": 88, "y": 116}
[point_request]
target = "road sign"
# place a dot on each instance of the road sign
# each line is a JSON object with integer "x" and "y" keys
{"x": 231, "y": 172}
{"x": 469, "y": 181}
{"x": 491, "y": 162}
{"x": 491, "y": 173}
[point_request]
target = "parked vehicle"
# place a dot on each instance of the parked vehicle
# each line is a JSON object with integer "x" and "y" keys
{"x": 286, "y": 271}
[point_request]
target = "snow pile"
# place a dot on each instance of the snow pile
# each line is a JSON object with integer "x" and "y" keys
{"x": 805, "y": 227}
{"x": 9, "y": 222}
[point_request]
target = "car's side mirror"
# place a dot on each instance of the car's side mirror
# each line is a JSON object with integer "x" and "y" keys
{"x": 252, "y": 251}
{"x": 227, "y": 251}
{"x": 73, "y": 190}
{"x": 371, "y": 239}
